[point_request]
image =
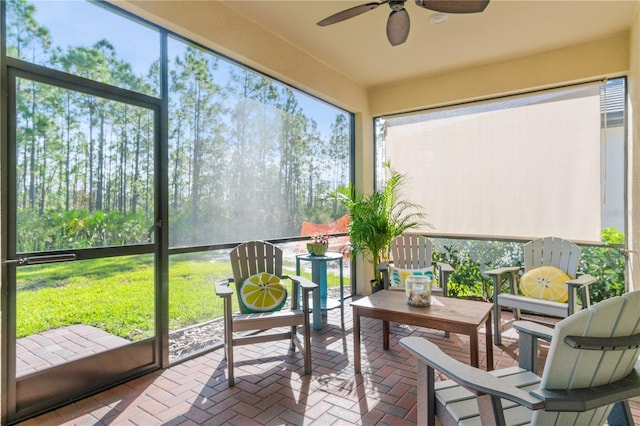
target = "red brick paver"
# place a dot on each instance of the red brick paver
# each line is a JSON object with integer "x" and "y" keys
{"x": 272, "y": 391}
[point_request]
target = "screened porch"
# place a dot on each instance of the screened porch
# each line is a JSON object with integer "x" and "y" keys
{"x": 141, "y": 141}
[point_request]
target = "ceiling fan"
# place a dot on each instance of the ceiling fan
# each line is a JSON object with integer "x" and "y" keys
{"x": 398, "y": 22}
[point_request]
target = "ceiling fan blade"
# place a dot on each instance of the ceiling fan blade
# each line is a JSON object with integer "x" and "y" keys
{"x": 453, "y": 6}
{"x": 398, "y": 26}
{"x": 349, "y": 13}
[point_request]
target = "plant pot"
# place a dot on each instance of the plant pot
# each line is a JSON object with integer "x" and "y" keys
{"x": 376, "y": 286}
{"x": 317, "y": 249}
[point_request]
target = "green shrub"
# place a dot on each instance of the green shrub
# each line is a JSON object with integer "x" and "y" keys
{"x": 470, "y": 258}
{"x": 607, "y": 265}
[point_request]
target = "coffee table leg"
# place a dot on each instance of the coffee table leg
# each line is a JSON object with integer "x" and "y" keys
{"x": 385, "y": 335}
{"x": 474, "y": 348}
{"x": 356, "y": 340}
{"x": 489, "y": 337}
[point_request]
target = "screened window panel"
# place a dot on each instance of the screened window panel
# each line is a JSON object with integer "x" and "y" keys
{"x": 250, "y": 158}
{"x": 523, "y": 167}
{"x": 87, "y": 40}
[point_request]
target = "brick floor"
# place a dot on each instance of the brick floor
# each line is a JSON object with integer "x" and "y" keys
{"x": 272, "y": 391}
{"x": 55, "y": 347}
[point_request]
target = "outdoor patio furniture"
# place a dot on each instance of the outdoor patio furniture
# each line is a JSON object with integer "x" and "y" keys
{"x": 413, "y": 252}
{"x": 551, "y": 282}
{"x": 591, "y": 370}
{"x": 445, "y": 313}
{"x": 321, "y": 301}
{"x": 257, "y": 271}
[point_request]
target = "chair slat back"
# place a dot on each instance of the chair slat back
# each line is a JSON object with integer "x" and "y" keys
{"x": 411, "y": 251}
{"x": 253, "y": 257}
{"x": 552, "y": 251}
{"x": 571, "y": 368}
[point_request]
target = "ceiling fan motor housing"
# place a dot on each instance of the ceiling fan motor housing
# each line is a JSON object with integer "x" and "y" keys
{"x": 397, "y": 5}
{"x": 454, "y": 6}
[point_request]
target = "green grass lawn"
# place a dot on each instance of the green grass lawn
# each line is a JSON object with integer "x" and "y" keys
{"x": 117, "y": 294}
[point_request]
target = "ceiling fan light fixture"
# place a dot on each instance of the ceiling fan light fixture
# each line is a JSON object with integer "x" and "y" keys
{"x": 438, "y": 18}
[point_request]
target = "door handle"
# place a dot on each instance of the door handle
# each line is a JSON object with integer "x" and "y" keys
{"x": 39, "y": 260}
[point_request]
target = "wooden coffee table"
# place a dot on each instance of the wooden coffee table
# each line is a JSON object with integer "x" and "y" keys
{"x": 445, "y": 313}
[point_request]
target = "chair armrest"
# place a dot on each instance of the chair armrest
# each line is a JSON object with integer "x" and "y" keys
{"x": 529, "y": 332}
{"x": 304, "y": 283}
{"x": 223, "y": 289}
{"x": 496, "y": 274}
{"x": 501, "y": 271}
{"x": 443, "y": 270}
{"x": 582, "y": 280}
{"x": 383, "y": 268}
{"x": 469, "y": 377}
{"x": 584, "y": 399}
{"x": 534, "y": 329}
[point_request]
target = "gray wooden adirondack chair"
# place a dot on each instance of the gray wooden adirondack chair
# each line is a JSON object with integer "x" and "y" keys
{"x": 415, "y": 251}
{"x": 247, "y": 260}
{"x": 591, "y": 370}
{"x": 550, "y": 251}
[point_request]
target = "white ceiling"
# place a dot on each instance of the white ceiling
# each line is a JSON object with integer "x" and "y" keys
{"x": 358, "y": 47}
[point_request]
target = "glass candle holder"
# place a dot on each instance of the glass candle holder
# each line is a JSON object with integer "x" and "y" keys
{"x": 418, "y": 290}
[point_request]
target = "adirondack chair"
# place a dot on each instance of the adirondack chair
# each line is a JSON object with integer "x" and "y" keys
{"x": 414, "y": 252}
{"x": 541, "y": 258}
{"x": 591, "y": 371}
{"x": 257, "y": 269}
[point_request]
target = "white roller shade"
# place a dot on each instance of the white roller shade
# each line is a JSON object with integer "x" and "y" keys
{"x": 522, "y": 167}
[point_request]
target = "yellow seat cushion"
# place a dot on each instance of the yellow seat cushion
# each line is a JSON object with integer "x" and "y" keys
{"x": 545, "y": 282}
{"x": 263, "y": 292}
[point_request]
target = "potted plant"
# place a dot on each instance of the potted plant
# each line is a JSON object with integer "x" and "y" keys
{"x": 377, "y": 218}
{"x": 319, "y": 244}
